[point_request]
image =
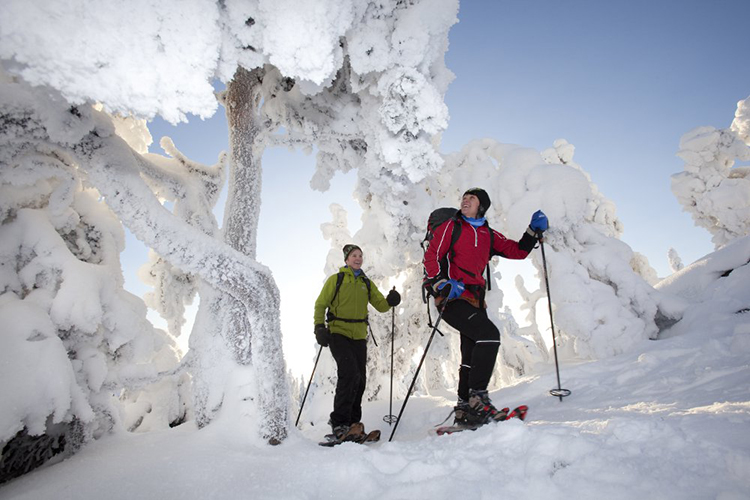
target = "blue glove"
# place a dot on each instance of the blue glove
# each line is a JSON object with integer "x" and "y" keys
{"x": 451, "y": 289}
{"x": 539, "y": 222}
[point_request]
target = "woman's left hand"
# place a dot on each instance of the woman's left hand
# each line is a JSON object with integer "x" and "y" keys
{"x": 393, "y": 298}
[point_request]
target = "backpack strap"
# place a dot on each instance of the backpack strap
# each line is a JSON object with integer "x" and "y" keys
{"x": 455, "y": 235}
{"x": 367, "y": 282}
{"x": 492, "y": 245}
{"x": 339, "y": 280}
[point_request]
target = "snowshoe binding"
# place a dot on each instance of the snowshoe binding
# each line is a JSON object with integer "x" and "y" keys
{"x": 354, "y": 433}
{"x": 478, "y": 411}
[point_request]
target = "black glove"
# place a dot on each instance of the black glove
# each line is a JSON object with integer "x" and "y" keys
{"x": 322, "y": 335}
{"x": 393, "y": 298}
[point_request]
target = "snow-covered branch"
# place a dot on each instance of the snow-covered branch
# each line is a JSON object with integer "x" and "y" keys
{"x": 711, "y": 189}
{"x": 62, "y": 300}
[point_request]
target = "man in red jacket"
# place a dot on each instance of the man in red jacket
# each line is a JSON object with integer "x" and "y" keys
{"x": 457, "y": 282}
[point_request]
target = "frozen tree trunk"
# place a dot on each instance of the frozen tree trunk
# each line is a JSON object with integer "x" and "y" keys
{"x": 221, "y": 361}
{"x": 243, "y": 203}
{"x": 225, "y": 315}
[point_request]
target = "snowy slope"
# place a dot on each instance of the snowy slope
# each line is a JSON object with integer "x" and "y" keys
{"x": 668, "y": 421}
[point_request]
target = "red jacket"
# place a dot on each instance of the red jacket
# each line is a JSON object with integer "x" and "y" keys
{"x": 471, "y": 252}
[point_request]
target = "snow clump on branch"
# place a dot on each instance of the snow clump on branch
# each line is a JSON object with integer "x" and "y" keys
{"x": 714, "y": 191}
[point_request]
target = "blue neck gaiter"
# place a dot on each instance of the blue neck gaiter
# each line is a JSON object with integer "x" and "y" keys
{"x": 475, "y": 222}
{"x": 356, "y": 272}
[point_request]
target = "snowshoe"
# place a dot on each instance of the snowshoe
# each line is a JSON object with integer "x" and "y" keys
{"x": 518, "y": 412}
{"x": 370, "y": 437}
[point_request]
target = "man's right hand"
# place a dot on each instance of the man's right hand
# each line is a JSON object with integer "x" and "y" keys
{"x": 322, "y": 335}
{"x": 451, "y": 289}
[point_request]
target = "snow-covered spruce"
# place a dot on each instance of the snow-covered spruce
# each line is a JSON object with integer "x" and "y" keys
{"x": 77, "y": 355}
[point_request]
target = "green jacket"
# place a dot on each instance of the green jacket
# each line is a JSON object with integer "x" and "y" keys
{"x": 350, "y": 303}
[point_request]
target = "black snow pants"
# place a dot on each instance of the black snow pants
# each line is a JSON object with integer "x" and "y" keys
{"x": 351, "y": 363}
{"x": 480, "y": 342}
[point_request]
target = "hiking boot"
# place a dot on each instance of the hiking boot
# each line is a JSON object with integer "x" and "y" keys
{"x": 340, "y": 431}
{"x": 356, "y": 432}
{"x": 481, "y": 410}
{"x": 461, "y": 414}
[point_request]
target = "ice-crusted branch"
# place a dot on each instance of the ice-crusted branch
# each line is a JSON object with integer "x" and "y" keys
{"x": 194, "y": 189}
{"x": 111, "y": 167}
{"x": 132, "y": 200}
{"x": 135, "y": 380}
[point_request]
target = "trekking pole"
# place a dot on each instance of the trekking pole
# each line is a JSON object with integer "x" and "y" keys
{"x": 372, "y": 335}
{"x": 390, "y": 418}
{"x": 309, "y": 383}
{"x": 560, "y": 393}
{"x": 414, "y": 380}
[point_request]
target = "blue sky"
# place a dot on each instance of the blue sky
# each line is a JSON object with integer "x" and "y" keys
{"x": 620, "y": 80}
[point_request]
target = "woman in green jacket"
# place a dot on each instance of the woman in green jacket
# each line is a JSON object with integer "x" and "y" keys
{"x": 346, "y": 295}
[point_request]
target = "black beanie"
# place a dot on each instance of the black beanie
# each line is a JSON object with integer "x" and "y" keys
{"x": 349, "y": 248}
{"x": 484, "y": 200}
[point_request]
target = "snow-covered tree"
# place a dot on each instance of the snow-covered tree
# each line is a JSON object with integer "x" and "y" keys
{"x": 362, "y": 81}
{"x": 604, "y": 304}
{"x": 714, "y": 191}
{"x": 77, "y": 353}
{"x": 675, "y": 262}
{"x": 531, "y": 300}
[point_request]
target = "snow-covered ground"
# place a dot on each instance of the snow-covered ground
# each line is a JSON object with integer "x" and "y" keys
{"x": 669, "y": 420}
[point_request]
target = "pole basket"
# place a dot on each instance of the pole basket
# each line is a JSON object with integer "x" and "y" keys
{"x": 390, "y": 419}
{"x": 559, "y": 393}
